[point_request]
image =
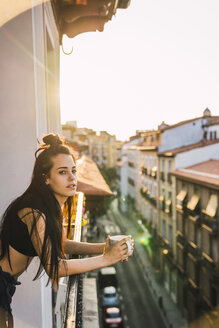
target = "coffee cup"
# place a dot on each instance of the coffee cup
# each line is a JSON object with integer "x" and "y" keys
{"x": 116, "y": 238}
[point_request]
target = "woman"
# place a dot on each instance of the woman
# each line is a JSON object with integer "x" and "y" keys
{"x": 32, "y": 226}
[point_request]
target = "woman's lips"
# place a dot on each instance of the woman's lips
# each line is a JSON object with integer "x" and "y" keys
{"x": 72, "y": 186}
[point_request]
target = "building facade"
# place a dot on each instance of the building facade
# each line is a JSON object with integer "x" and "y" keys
{"x": 198, "y": 241}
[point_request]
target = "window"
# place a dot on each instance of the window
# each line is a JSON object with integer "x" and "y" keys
{"x": 164, "y": 228}
{"x": 206, "y": 240}
{"x": 131, "y": 182}
{"x": 191, "y": 231}
{"x": 162, "y": 165}
{"x": 180, "y": 222}
{"x": 191, "y": 268}
{"x": 169, "y": 165}
{"x": 170, "y": 235}
{"x": 180, "y": 256}
{"x": 155, "y": 190}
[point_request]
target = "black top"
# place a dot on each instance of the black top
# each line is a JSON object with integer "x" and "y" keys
{"x": 19, "y": 237}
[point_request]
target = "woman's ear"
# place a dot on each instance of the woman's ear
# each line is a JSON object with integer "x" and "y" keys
{"x": 46, "y": 180}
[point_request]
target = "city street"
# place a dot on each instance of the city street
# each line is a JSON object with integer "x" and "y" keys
{"x": 138, "y": 307}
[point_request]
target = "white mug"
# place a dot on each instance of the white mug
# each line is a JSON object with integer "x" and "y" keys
{"x": 115, "y": 239}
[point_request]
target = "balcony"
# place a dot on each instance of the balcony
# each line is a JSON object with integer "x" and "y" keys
{"x": 209, "y": 221}
{"x": 131, "y": 164}
{"x": 161, "y": 203}
{"x": 162, "y": 176}
{"x": 207, "y": 261}
{"x": 192, "y": 268}
{"x": 154, "y": 172}
{"x": 144, "y": 170}
{"x": 169, "y": 178}
{"x": 180, "y": 238}
{"x": 168, "y": 207}
{"x": 147, "y": 195}
{"x": 193, "y": 249}
{"x": 70, "y": 305}
{"x": 131, "y": 182}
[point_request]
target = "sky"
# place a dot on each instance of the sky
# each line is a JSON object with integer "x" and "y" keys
{"x": 157, "y": 60}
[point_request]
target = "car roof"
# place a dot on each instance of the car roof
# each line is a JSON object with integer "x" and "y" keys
{"x": 109, "y": 290}
{"x": 108, "y": 270}
{"x": 113, "y": 310}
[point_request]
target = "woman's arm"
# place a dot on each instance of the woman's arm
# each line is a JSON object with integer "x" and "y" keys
{"x": 81, "y": 248}
{"x": 112, "y": 255}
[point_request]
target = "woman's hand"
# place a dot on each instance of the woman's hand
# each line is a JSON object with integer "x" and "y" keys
{"x": 118, "y": 251}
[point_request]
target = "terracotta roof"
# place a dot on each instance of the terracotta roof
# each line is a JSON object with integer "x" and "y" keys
{"x": 211, "y": 166}
{"x": 184, "y": 122}
{"x": 90, "y": 180}
{"x": 214, "y": 121}
{"x": 205, "y": 172}
{"x": 203, "y": 143}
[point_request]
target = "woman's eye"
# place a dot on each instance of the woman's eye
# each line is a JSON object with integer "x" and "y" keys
{"x": 62, "y": 172}
{"x": 74, "y": 171}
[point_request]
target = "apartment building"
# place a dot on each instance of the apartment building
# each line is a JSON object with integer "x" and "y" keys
{"x": 148, "y": 200}
{"x": 145, "y": 174}
{"x": 128, "y": 168}
{"x": 185, "y": 133}
{"x": 197, "y": 188}
{"x": 102, "y": 147}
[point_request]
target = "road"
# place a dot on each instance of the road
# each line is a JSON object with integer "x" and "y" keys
{"x": 137, "y": 304}
{"x": 138, "y": 307}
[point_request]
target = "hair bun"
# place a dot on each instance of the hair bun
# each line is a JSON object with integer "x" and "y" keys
{"x": 52, "y": 140}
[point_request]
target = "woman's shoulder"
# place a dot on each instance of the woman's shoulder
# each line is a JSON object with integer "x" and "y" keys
{"x": 32, "y": 201}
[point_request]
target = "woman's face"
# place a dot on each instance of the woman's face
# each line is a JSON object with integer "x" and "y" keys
{"x": 62, "y": 177}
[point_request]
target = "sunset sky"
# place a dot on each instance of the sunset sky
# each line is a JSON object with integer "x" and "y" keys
{"x": 157, "y": 60}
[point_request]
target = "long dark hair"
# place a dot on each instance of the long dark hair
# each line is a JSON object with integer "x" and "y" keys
{"x": 52, "y": 145}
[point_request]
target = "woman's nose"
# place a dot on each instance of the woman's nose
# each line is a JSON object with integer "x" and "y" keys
{"x": 72, "y": 176}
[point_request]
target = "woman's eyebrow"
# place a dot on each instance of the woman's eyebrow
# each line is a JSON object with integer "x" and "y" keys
{"x": 65, "y": 167}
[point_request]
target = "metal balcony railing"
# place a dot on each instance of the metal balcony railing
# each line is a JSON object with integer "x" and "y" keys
{"x": 68, "y": 309}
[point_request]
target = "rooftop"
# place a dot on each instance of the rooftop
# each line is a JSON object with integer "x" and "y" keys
{"x": 90, "y": 180}
{"x": 214, "y": 121}
{"x": 204, "y": 173}
{"x": 203, "y": 143}
{"x": 187, "y": 121}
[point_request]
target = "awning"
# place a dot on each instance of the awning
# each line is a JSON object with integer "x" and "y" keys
{"x": 181, "y": 195}
{"x": 161, "y": 198}
{"x": 193, "y": 202}
{"x": 211, "y": 208}
{"x": 90, "y": 180}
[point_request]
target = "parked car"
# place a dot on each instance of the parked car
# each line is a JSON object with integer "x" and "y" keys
{"x": 112, "y": 318}
{"x": 110, "y": 297}
{"x": 107, "y": 277}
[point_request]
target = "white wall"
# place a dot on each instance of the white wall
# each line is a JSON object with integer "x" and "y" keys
{"x": 124, "y": 170}
{"x": 183, "y": 135}
{"x": 133, "y": 173}
{"x": 213, "y": 129}
{"x": 197, "y": 155}
{"x": 26, "y": 114}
